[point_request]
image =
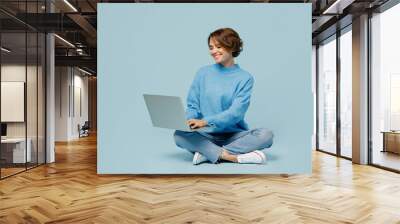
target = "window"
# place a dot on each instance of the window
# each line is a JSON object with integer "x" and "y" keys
{"x": 346, "y": 93}
{"x": 385, "y": 88}
{"x": 327, "y": 95}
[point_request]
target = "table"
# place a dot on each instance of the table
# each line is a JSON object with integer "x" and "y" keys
{"x": 13, "y": 150}
{"x": 391, "y": 141}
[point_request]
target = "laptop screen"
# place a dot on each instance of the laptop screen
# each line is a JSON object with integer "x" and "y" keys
{"x": 3, "y": 129}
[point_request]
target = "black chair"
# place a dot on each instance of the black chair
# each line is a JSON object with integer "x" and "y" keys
{"x": 84, "y": 130}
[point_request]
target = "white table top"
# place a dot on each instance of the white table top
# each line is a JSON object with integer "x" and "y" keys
{"x": 13, "y": 140}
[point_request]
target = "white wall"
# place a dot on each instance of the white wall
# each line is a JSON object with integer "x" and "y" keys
{"x": 15, "y": 72}
{"x": 62, "y": 81}
{"x": 79, "y": 111}
{"x": 70, "y": 84}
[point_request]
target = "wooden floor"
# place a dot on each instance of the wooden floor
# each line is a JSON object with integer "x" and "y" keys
{"x": 9, "y": 171}
{"x": 70, "y": 191}
{"x": 5, "y": 172}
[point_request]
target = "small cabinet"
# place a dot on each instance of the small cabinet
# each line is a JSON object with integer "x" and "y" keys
{"x": 391, "y": 141}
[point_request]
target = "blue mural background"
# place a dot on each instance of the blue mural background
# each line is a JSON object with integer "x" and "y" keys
{"x": 157, "y": 48}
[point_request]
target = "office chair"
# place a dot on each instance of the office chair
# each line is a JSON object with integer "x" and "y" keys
{"x": 84, "y": 130}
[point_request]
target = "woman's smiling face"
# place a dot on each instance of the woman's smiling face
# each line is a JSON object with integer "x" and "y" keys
{"x": 219, "y": 53}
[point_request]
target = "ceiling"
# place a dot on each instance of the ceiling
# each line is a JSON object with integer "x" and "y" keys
{"x": 76, "y": 21}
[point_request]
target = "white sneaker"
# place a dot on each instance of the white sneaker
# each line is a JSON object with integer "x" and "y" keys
{"x": 198, "y": 158}
{"x": 252, "y": 157}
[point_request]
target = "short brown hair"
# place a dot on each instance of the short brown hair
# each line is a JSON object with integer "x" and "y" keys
{"x": 229, "y": 39}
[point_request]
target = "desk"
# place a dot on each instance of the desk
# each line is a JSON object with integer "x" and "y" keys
{"x": 391, "y": 141}
{"x": 13, "y": 150}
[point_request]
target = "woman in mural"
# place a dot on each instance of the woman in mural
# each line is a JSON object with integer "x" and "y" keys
{"x": 218, "y": 100}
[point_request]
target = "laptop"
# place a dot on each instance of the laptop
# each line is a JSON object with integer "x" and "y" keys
{"x": 3, "y": 131}
{"x": 168, "y": 112}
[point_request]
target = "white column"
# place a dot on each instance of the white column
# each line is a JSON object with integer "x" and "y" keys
{"x": 50, "y": 91}
{"x": 50, "y": 110}
{"x": 314, "y": 93}
{"x": 360, "y": 90}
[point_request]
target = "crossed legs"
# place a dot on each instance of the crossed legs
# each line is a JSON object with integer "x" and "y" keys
{"x": 226, "y": 149}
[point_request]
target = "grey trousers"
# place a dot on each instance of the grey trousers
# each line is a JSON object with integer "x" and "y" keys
{"x": 211, "y": 145}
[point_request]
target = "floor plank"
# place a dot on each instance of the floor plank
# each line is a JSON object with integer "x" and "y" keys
{"x": 70, "y": 191}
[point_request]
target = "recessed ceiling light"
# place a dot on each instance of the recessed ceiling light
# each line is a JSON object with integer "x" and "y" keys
{"x": 84, "y": 71}
{"x": 5, "y": 50}
{"x": 70, "y": 5}
{"x": 64, "y": 40}
{"x": 338, "y": 6}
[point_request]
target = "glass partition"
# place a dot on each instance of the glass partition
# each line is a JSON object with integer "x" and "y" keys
{"x": 22, "y": 78}
{"x": 14, "y": 153}
{"x": 327, "y": 95}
